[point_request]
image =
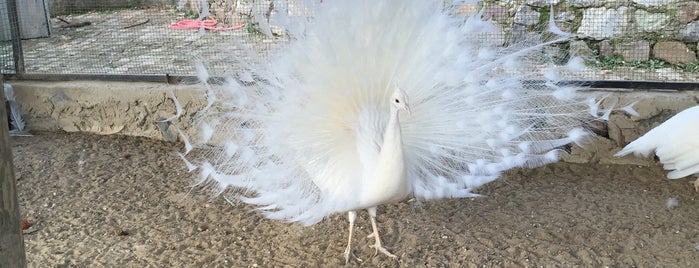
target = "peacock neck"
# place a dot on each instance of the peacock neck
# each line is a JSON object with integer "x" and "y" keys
{"x": 392, "y": 138}
{"x": 387, "y": 183}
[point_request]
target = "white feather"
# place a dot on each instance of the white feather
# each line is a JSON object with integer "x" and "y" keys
{"x": 187, "y": 144}
{"x": 553, "y": 28}
{"x": 575, "y": 65}
{"x": 17, "y": 121}
{"x": 190, "y": 166}
{"x": 628, "y": 109}
{"x": 672, "y": 203}
{"x": 202, "y": 73}
{"x": 178, "y": 107}
{"x": 311, "y": 127}
{"x": 674, "y": 142}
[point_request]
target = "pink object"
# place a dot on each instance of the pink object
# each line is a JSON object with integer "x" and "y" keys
{"x": 208, "y": 24}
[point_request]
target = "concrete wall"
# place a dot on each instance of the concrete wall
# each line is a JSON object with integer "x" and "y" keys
{"x": 119, "y": 108}
{"x": 132, "y": 109}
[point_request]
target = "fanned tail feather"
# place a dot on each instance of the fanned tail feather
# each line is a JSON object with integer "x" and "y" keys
{"x": 283, "y": 136}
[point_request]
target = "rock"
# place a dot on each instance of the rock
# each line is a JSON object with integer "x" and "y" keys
{"x": 554, "y": 54}
{"x": 633, "y": 51}
{"x": 495, "y": 12}
{"x": 527, "y": 16}
{"x": 652, "y": 3}
{"x": 605, "y": 48}
{"x": 603, "y": 23}
{"x": 519, "y": 33}
{"x": 565, "y": 16}
{"x": 467, "y": 9}
{"x": 650, "y": 22}
{"x": 687, "y": 12}
{"x": 673, "y": 52}
{"x": 579, "y": 48}
{"x": 542, "y": 3}
{"x": 690, "y": 33}
{"x": 584, "y": 3}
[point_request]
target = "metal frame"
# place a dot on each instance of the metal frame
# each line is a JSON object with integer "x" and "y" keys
{"x": 15, "y": 33}
{"x": 20, "y": 73}
{"x": 190, "y": 79}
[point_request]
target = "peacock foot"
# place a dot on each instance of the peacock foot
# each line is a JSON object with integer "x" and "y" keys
{"x": 380, "y": 248}
{"x": 349, "y": 255}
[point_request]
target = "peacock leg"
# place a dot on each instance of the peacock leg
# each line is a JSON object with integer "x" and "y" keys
{"x": 696, "y": 185}
{"x": 377, "y": 244}
{"x": 352, "y": 215}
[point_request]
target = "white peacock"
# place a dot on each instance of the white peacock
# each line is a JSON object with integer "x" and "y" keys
{"x": 325, "y": 127}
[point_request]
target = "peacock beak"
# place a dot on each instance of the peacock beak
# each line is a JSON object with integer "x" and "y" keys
{"x": 407, "y": 109}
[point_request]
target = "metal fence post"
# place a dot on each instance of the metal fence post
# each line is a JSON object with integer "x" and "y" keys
{"x": 15, "y": 33}
{"x": 11, "y": 242}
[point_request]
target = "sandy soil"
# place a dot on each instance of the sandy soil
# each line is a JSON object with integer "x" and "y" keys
{"x": 121, "y": 201}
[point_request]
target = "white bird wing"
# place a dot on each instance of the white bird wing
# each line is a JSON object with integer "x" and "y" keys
{"x": 675, "y": 142}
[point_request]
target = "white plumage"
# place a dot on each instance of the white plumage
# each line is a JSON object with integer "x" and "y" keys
{"x": 674, "y": 142}
{"x": 15, "y": 117}
{"x": 316, "y": 130}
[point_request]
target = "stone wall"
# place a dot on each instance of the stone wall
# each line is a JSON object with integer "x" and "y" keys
{"x": 634, "y": 30}
{"x": 129, "y": 108}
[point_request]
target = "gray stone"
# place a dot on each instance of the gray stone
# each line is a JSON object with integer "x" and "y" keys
{"x": 690, "y": 33}
{"x": 603, "y": 23}
{"x": 527, "y": 16}
{"x": 579, "y": 48}
{"x": 519, "y": 33}
{"x": 687, "y": 12}
{"x": 495, "y": 12}
{"x": 633, "y": 51}
{"x": 542, "y": 3}
{"x": 652, "y": 3}
{"x": 584, "y": 3}
{"x": 605, "y": 48}
{"x": 565, "y": 16}
{"x": 673, "y": 52}
{"x": 650, "y": 22}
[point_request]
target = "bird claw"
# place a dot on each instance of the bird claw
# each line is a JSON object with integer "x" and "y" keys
{"x": 349, "y": 255}
{"x": 380, "y": 248}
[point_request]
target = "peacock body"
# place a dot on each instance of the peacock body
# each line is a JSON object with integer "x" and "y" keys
{"x": 315, "y": 130}
{"x": 674, "y": 142}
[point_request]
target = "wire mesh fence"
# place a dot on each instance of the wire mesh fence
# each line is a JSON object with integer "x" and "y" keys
{"x": 153, "y": 37}
{"x": 9, "y": 43}
{"x": 619, "y": 40}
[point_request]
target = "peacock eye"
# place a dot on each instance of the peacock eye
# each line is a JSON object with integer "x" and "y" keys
{"x": 397, "y": 101}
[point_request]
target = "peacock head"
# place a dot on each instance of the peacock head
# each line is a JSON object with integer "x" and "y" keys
{"x": 400, "y": 100}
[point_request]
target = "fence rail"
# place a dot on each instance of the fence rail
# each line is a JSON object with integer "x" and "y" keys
{"x": 153, "y": 41}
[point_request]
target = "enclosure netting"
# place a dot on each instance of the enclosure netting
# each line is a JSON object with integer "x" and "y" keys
{"x": 7, "y": 61}
{"x": 620, "y": 40}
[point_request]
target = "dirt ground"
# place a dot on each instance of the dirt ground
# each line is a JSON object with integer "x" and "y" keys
{"x": 122, "y": 201}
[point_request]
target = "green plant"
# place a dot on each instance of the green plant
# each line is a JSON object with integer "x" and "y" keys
{"x": 190, "y": 14}
{"x": 252, "y": 28}
{"x": 607, "y": 62}
{"x": 648, "y": 64}
{"x": 689, "y": 67}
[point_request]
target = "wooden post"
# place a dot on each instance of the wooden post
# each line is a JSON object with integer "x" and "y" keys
{"x": 11, "y": 241}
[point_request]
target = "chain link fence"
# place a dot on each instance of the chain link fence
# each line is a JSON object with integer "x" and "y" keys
{"x": 619, "y": 40}
{"x": 137, "y": 37}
